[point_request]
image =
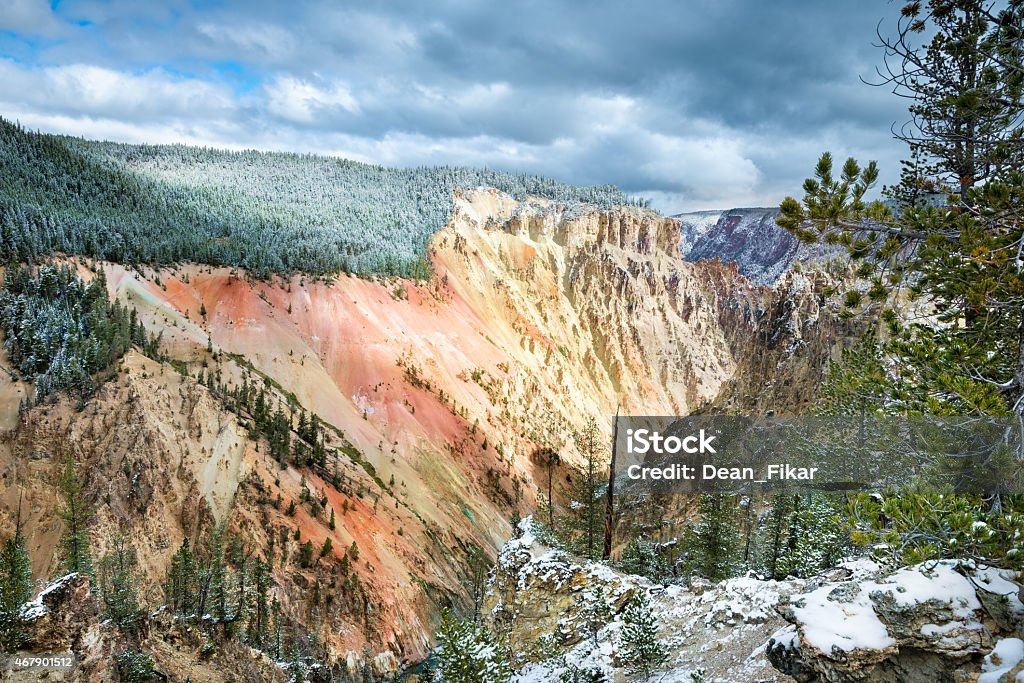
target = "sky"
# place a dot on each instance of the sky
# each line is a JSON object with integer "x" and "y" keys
{"x": 695, "y": 104}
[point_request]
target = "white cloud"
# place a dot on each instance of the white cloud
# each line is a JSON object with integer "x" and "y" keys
{"x": 603, "y": 138}
{"x": 648, "y": 97}
{"x": 302, "y": 102}
{"x": 33, "y": 17}
{"x": 96, "y": 91}
{"x": 250, "y": 40}
{"x": 713, "y": 166}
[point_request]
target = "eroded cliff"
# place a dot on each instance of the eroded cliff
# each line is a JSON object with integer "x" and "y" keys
{"x": 435, "y": 393}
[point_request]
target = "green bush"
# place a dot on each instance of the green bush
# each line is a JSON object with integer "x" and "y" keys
{"x": 135, "y": 666}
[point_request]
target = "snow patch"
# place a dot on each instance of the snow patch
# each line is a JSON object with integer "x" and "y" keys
{"x": 1008, "y": 653}
{"x": 844, "y": 626}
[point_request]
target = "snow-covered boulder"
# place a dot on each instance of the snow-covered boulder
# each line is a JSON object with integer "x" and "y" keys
{"x": 936, "y": 621}
{"x": 538, "y": 590}
{"x": 57, "y": 619}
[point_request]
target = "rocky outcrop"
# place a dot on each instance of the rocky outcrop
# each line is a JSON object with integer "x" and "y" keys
{"x": 713, "y": 632}
{"x": 941, "y": 621}
{"x": 63, "y": 623}
{"x": 61, "y": 615}
{"x": 763, "y": 251}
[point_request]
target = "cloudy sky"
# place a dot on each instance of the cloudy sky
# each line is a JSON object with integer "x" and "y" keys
{"x": 697, "y": 103}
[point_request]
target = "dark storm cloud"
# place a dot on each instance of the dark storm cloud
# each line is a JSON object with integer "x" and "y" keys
{"x": 696, "y": 103}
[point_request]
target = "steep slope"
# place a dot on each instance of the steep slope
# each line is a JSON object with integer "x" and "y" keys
{"x": 437, "y": 394}
{"x": 693, "y": 226}
{"x": 752, "y": 238}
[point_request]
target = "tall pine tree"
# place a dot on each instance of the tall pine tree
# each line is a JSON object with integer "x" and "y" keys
{"x": 74, "y": 542}
{"x": 117, "y": 579}
{"x": 712, "y": 544}
{"x": 15, "y": 589}
{"x": 953, "y": 241}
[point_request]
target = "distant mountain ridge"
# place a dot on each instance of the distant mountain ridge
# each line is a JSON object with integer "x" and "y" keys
{"x": 268, "y": 212}
{"x": 762, "y": 249}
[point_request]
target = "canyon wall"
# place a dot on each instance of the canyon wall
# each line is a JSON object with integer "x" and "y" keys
{"x": 436, "y": 394}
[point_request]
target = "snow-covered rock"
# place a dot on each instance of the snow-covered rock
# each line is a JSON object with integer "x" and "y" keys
{"x": 1004, "y": 662}
{"x": 937, "y": 621}
{"x": 542, "y": 594}
{"x": 763, "y": 251}
{"x": 931, "y": 622}
{"x": 59, "y": 614}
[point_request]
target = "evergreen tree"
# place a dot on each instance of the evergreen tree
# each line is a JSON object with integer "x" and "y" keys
{"x": 952, "y": 240}
{"x": 306, "y": 555}
{"x": 135, "y": 666}
{"x": 117, "y": 580}
{"x": 476, "y": 580}
{"x": 240, "y": 554}
{"x": 859, "y": 384}
{"x": 216, "y": 582}
{"x": 469, "y": 653}
{"x": 641, "y": 556}
{"x": 278, "y": 630}
{"x": 580, "y": 528}
{"x": 912, "y": 527}
{"x": 773, "y": 536}
{"x": 817, "y": 537}
{"x": 587, "y": 440}
{"x": 367, "y": 672}
{"x": 74, "y": 542}
{"x": 960, "y": 63}
{"x": 801, "y": 535}
{"x": 949, "y": 242}
{"x": 639, "y": 648}
{"x": 259, "y": 620}
{"x": 712, "y": 544}
{"x": 551, "y": 460}
{"x": 15, "y": 589}
{"x": 181, "y": 588}
{"x": 579, "y": 674}
{"x": 594, "y": 610}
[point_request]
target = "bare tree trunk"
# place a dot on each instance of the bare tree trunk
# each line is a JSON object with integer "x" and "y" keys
{"x": 1018, "y": 378}
{"x": 551, "y": 502}
{"x": 609, "y": 509}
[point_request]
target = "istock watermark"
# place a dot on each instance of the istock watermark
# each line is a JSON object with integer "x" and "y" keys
{"x": 657, "y": 454}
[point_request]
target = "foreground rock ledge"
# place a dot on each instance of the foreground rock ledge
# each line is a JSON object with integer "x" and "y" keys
{"x": 937, "y": 621}
{"x": 64, "y": 620}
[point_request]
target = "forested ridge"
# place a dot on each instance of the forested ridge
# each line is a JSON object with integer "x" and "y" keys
{"x": 266, "y": 212}
{"x": 62, "y": 332}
